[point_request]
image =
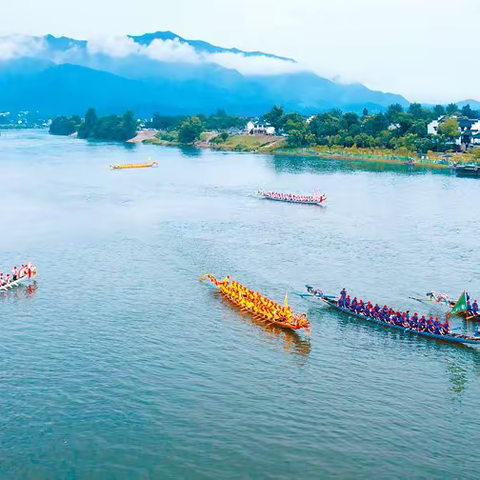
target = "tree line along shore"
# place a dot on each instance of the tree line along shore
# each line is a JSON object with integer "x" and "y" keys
{"x": 393, "y": 135}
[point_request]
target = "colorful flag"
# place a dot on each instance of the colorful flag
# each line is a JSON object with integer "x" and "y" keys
{"x": 460, "y": 306}
{"x": 285, "y": 302}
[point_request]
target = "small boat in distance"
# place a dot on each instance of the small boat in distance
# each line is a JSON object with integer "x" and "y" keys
{"x": 374, "y": 317}
{"x": 260, "y": 307}
{"x": 314, "y": 199}
{"x": 468, "y": 171}
{"x": 134, "y": 165}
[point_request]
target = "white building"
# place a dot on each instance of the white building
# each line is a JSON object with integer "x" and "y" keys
{"x": 432, "y": 127}
{"x": 468, "y": 130}
{"x": 259, "y": 128}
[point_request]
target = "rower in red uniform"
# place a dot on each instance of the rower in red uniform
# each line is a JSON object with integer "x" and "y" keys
{"x": 14, "y": 273}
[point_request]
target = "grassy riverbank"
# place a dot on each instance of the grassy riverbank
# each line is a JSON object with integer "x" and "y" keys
{"x": 234, "y": 143}
{"x": 278, "y": 145}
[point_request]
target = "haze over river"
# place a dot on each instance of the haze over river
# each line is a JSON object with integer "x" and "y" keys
{"x": 121, "y": 364}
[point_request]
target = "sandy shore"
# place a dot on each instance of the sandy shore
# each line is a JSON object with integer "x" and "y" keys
{"x": 142, "y": 135}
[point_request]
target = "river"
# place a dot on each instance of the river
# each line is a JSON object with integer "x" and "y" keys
{"x": 119, "y": 363}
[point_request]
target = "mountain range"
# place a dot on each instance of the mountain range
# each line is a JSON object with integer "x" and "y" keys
{"x": 166, "y": 73}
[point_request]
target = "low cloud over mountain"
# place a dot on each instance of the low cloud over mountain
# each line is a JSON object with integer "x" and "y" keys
{"x": 163, "y": 70}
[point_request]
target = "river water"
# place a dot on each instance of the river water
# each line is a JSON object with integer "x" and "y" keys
{"x": 119, "y": 363}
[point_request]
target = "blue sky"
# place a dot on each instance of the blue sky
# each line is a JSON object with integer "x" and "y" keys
{"x": 423, "y": 49}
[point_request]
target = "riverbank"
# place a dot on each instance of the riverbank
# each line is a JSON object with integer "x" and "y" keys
{"x": 234, "y": 143}
{"x": 277, "y": 145}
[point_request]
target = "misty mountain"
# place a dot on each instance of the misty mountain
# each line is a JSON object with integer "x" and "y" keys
{"x": 164, "y": 72}
{"x": 474, "y": 104}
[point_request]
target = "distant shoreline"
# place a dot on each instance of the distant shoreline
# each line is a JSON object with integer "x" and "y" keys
{"x": 269, "y": 148}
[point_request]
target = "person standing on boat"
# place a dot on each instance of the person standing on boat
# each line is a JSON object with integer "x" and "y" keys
{"x": 475, "y": 308}
{"x": 343, "y": 295}
{"x": 14, "y": 273}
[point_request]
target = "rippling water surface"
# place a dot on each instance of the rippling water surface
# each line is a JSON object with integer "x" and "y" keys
{"x": 119, "y": 363}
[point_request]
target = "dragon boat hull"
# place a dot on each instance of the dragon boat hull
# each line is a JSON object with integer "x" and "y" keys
{"x": 451, "y": 337}
{"x": 257, "y": 316}
{"x": 322, "y": 203}
{"x": 134, "y": 165}
{"x": 17, "y": 282}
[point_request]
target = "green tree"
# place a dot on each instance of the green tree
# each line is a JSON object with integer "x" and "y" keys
{"x": 449, "y": 128}
{"x": 190, "y": 130}
{"x": 393, "y": 111}
{"x": 295, "y": 138}
{"x": 129, "y": 126}
{"x": 349, "y": 119}
{"x": 293, "y": 121}
{"x": 107, "y": 128}
{"x": 336, "y": 112}
{"x": 87, "y": 128}
{"x": 275, "y": 117}
{"x": 415, "y": 109}
{"x": 468, "y": 112}
{"x": 374, "y": 124}
{"x": 365, "y": 112}
{"x": 476, "y": 154}
{"x": 438, "y": 111}
{"x": 165, "y": 122}
{"x": 452, "y": 109}
{"x": 419, "y": 127}
{"x": 64, "y": 125}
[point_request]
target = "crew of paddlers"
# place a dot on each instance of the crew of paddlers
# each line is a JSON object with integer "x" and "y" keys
{"x": 258, "y": 305}
{"x": 472, "y": 308}
{"x": 387, "y": 314}
{"x": 290, "y": 197}
{"x": 27, "y": 269}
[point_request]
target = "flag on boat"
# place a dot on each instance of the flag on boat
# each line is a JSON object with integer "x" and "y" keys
{"x": 460, "y": 306}
{"x": 285, "y": 302}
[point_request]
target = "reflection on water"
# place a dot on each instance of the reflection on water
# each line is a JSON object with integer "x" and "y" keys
{"x": 190, "y": 151}
{"x": 19, "y": 292}
{"x": 293, "y": 164}
{"x": 293, "y": 341}
{"x": 458, "y": 378}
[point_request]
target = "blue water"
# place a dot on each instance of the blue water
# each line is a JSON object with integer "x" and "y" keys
{"x": 119, "y": 363}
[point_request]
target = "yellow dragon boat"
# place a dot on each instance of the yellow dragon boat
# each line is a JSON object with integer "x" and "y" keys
{"x": 259, "y": 306}
{"x": 134, "y": 165}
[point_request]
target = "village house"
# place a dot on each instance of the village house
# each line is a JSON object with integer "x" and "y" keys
{"x": 259, "y": 128}
{"x": 468, "y": 131}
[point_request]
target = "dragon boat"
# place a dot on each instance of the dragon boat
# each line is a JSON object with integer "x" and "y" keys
{"x": 134, "y": 165}
{"x": 458, "y": 307}
{"x": 242, "y": 297}
{"x": 332, "y": 301}
{"x": 463, "y": 309}
{"x": 15, "y": 283}
{"x": 291, "y": 198}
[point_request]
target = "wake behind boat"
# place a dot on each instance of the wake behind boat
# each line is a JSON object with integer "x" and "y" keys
{"x": 314, "y": 199}
{"x": 393, "y": 319}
